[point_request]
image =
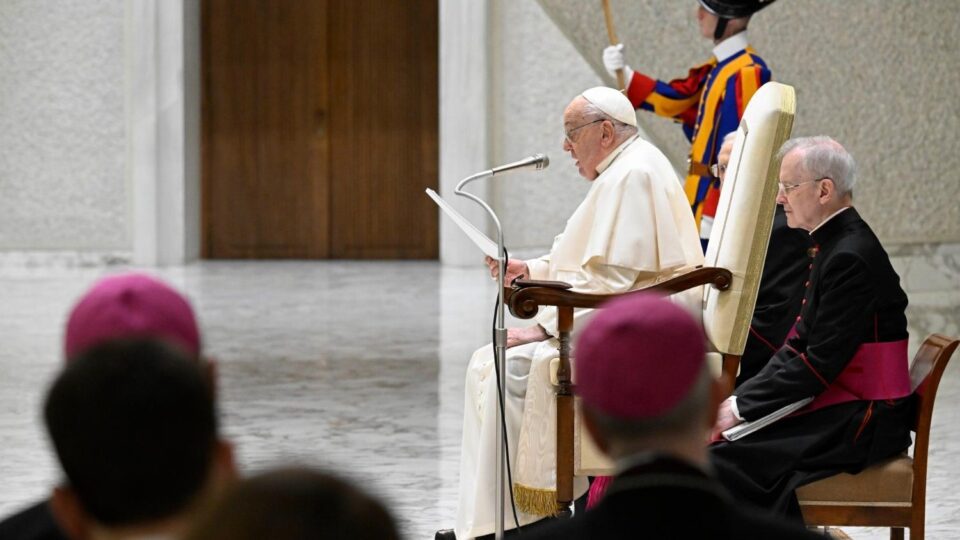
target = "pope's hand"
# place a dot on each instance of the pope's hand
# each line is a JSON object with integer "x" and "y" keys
{"x": 725, "y": 419}
{"x": 613, "y": 60}
{"x": 521, "y": 336}
{"x": 515, "y": 269}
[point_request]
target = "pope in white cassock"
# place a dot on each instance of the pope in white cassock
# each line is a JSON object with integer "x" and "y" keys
{"x": 633, "y": 229}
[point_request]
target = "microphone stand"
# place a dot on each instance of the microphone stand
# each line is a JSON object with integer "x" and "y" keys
{"x": 499, "y": 348}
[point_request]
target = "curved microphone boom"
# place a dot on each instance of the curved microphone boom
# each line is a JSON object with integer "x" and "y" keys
{"x": 536, "y": 161}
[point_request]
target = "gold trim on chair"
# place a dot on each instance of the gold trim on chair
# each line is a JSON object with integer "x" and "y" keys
{"x": 537, "y": 501}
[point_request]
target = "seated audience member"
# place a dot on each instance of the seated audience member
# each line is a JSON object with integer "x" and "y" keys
{"x": 847, "y": 349}
{"x": 633, "y": 228}
{"x": 649, "y": 401}
{"x": 781, "y": 283}
{"x": 134, "y": 427}
{"x": 295, "y": 504}
{"x": 118, "y": 306}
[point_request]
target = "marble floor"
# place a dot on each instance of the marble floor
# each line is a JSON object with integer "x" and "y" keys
{"x": 352, "y": 366}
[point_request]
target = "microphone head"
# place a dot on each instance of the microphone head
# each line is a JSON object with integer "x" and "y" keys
{"x": 543, "y": 161}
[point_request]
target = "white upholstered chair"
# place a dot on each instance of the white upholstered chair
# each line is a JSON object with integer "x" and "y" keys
{"x": 734, "y": 262}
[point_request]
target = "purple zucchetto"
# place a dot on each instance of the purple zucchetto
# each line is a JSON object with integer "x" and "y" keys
{"x": 638, "y": 357}
{"x": 128, "y": 306}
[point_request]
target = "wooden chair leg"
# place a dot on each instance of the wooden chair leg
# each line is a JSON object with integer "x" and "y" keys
{"x": 565, "y": 416}
{"x": 564, "y": 455}
{"x": 896, "y": 533}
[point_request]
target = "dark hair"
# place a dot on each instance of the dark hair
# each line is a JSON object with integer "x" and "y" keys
{"x": 134, "y": 426}
{"x": 295, "y": 504}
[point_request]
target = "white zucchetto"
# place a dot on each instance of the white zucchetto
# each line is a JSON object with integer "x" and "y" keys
{"x": 612, "y": 102}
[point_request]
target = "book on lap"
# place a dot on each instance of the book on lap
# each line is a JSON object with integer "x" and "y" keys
{"x": 740, "y": 431}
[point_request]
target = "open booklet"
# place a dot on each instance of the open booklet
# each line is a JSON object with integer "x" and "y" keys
{"x": 742, "y": 430}
{"x": 486, "y": 245}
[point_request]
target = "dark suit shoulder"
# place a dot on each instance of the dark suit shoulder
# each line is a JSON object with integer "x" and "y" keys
{"x": 669, "y": 514}
{"x": 33, "y": 523}
{"x": 856, "y": 243}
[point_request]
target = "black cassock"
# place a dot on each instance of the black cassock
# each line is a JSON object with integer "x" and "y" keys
{"x": 668, "y": 499}
{"x": 779, "y": 296}
{"x": 852, "y": 297}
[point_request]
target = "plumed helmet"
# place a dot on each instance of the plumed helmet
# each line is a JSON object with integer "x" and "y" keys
{"x": 733, "y": 9}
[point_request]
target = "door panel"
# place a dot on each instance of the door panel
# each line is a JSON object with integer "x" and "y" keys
{"x": 384, "y": 62}
{"x": 320, "y": 129}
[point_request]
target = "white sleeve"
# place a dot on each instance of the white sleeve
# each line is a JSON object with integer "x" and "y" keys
{"x": 539, "y": 268}
{"x": 733, "y": 407}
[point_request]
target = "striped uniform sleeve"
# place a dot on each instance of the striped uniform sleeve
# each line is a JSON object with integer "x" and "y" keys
{"x": 678, "y": 99}
{"x": 739, "y": 90}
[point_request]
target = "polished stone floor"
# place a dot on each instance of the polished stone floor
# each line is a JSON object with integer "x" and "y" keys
{"x": 353, "y": 366}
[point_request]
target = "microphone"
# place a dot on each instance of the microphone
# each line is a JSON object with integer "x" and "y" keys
{"x": 536, "y": 161}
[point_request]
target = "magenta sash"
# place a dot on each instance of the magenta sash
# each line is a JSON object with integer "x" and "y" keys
{"x": 877, "y": 371}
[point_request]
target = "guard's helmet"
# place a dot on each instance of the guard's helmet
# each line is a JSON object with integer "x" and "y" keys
{"x": 733, "y": 9}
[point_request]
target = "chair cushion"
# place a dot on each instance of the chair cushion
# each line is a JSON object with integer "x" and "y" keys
{"x": 886, "y": 483}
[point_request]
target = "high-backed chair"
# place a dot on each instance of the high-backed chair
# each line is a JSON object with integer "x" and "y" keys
{"x": 892, "y": 493}
{"x": 734, "y": 262}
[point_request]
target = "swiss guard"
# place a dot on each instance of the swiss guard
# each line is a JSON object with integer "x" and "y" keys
{"x": 710, "y": 100}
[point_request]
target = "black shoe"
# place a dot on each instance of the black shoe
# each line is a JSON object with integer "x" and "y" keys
{"x": 445, "y": 534}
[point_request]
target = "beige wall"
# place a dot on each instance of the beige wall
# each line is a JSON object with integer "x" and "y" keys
{"x": 527, "y": 101}
{"x": 62, "y": 182}
{"x": 879, "y": 76}
{"x": 99, "y": 132}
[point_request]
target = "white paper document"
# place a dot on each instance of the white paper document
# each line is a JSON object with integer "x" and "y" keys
{"x": 482, "y": 241}
{"x": 742, "y": 430}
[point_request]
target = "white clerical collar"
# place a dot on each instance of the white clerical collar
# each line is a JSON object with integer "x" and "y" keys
{"x": 616, "y": 152}
{"x": 730, "y": 46}
{"x": 831, "y": 216}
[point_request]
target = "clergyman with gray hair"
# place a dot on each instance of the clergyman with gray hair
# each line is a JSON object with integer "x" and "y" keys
{"x": 847, "y": 349}
{"x": 633, "y": 228}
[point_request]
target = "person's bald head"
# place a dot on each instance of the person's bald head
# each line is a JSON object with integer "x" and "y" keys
{"x": 595, "y": 123}
{"x": 723, "y": 155}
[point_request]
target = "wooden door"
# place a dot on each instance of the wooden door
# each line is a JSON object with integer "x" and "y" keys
{"x": 320, "y": 128}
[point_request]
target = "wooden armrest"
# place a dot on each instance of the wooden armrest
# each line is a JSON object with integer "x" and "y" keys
{"x": 525, "y": 302}
{"x": 523, "y": 283}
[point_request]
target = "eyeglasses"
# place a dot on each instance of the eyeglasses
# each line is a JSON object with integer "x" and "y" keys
{"x": 787, "y": 188}
{"x": 568, "y": 133}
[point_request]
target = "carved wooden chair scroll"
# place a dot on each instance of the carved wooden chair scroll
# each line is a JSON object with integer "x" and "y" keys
{"x": 892, "y": 493}
{"x": 734, "y": 262}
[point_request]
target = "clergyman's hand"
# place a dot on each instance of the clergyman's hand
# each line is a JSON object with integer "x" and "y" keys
{"x": 522, "y": 336}
{"x": 515, "y": 268}
{"x": 725, "y": 420}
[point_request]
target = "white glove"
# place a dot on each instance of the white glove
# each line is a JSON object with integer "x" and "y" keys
{"x": 613, "y": 60}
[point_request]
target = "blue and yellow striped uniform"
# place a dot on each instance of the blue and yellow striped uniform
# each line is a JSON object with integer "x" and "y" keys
{"x": 709, "y": 103}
